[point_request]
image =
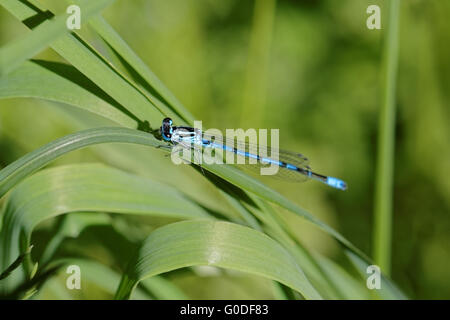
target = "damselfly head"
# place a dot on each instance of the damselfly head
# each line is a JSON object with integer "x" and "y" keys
{"x": 166, "y": 129}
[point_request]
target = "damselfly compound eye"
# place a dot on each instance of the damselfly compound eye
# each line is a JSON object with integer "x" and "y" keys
{"x": 166, "y": 129}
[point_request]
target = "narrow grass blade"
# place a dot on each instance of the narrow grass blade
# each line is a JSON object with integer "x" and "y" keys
{"x": 386, "y": 140}
{"x": 277, "y": 228}
{"x": 63, "y": 83}
{"x": 388, "y": 289}
{"x": 347, "y": 286}
{"x": 15, "y": 264}
{"x": 16, "y": 52}
{"x": 21, "y": 168}
{"x": 247, "y": 183}
{"x": 29, "y": 288}
{"x": 144, "y": 76}
{"x": 92, "y": 64}
{"x": 220, "y": 244}
{"x": 257, "y": 73}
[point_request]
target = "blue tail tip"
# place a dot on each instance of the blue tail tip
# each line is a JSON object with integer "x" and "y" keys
{"x": 336, "y": 183}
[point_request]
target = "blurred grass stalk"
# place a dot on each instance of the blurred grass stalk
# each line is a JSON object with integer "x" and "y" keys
{"x": 386, "y": 144}
{"x": 256, "y": 77}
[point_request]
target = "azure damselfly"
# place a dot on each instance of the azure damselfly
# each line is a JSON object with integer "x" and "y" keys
{"x": 292, "y": 166}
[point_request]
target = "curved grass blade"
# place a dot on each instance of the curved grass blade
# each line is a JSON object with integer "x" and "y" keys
{"x": 19, "y": 169}
{"x": 83, "y": 188}
{"x": 276, "y": 228}
{"x": 213, "y": 243}
{"x": 244, "y": 181}
{"x": 280, "y": 231}
{"x": 63, "y": 83}
{"x": 247, "y": 183}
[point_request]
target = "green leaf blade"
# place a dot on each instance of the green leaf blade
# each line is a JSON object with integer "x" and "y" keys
{"x": 149, "y": 79}
{"x": 83, "y": 188}
{"x": 62, "y": 83}
{"x": 16, "y": 52}
{"x": 220, "y": 244}
{"x": 94, "y": 66}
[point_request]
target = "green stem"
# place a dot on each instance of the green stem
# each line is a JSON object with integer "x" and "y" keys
{"x": 256, "y": 77}
{"x": 386, "y": 142}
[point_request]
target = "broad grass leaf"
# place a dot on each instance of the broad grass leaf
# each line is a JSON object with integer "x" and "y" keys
{"x": 85, "y": 188}
{"x": 214, "y": 243}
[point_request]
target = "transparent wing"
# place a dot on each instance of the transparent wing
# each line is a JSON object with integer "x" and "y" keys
{"x": 250, "y": 163}
{"x": 187, "y": 150}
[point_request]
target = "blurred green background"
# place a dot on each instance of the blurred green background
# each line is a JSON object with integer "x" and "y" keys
{"x": 310, "y": 68}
